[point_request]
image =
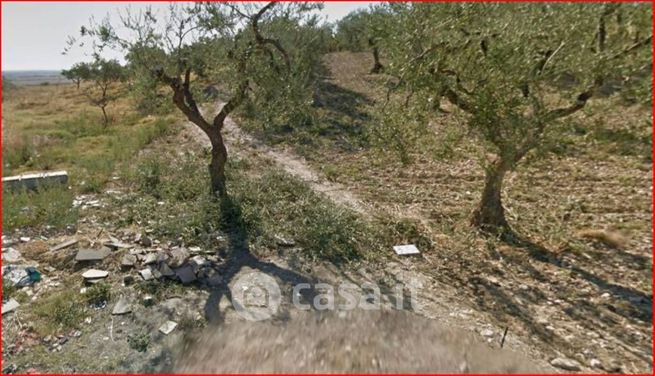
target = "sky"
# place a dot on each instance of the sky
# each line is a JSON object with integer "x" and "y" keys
{"x": 34, "y": 34}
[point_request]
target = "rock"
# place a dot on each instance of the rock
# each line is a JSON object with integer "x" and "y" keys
{"x": 407, "y": 249}
{"x": 145, "y": 241}
{"x": 95, "y": 274}
{"x": 150, "y": 258}
{"x": 567, "y": 364}
{"x": 9, "y": 306}
{"x": 487, "y": 333}
{"x": 168, "y": 327}
{"x": 199, "y": 260}
{"x": 146, "y": 274}
{"x": 281, "y": 241}
{"x": 166, "y": 271}
{"x": 178, "y": 257}
{"x": 185, "y": 274}
{"x": 122, "y": 307}
{"x": 11, "y": 255}
{"x": 63, "y": 245}
{"x": 595, "y": 363}
{"x": 92, "y": 254}
{"x": 128, "y": 260}
{"x": 148, "y": 300}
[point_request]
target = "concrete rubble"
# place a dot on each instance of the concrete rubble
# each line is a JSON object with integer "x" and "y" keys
{"x": 92, "y": 254}
{"x": 10, "y": 306}
{"x": 168, "y": 327}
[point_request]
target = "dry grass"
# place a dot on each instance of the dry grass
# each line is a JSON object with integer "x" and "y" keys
{"x": 597, "y": 177}
{"x": 54, "y": 127}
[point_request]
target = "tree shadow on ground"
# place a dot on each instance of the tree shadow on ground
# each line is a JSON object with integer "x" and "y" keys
{"x": 634, "y": 306}
{"x": 639, "y": 303}
{"x": 240, "y": 257}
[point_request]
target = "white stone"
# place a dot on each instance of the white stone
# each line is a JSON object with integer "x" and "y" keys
{"x": 95, "y": 273}
{"x": 168, "y": 327}
{"x": 407, "y": 249}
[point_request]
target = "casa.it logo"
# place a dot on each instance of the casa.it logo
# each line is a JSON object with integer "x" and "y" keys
{"x": 256, "y": 296}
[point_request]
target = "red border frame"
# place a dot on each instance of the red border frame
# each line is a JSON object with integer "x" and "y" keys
{"x": 342, "y": 1}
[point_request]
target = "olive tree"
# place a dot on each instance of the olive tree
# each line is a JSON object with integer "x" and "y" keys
{"x": 363, "y": 30}
{"x": 104, "y": 77}
{"x": 235, "y": 52}
{"x": 515, "y": 71}
{"x": 77, "y": 73}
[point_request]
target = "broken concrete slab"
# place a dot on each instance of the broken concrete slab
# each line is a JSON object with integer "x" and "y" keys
{"x": 11, "y": 255}
{"x": 199, "y": 260}
{"x": 165, "y": 270}
{"x": 128, "y": 260}
{"x": 9, "y": 306}
{"x": 95, "y": 274}
{"x": 122, "y": 307}
{"x": 406, "y": 249}
{"x": 92, "y": 254}
{"x": 178, "y": 257}
{"x": 146, "y": 274}
{"x": 186, "y": 274}
{"x": 168, "y": 327}
{"x": 63, "y": 245}
{"x": 33, "y": 181}
{"x": 150, "y": 258}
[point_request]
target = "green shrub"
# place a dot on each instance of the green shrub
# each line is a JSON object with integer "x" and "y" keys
{"x": 59, "y": 312}
{"x": 98, "y": 294}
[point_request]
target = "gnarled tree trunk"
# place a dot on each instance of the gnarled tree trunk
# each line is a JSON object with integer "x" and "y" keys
{"x": 217, "y": 164}
{"x": 490, "y": 214}
{"x": 377, "y": 65}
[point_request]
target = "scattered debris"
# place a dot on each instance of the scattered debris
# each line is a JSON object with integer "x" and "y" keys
{"x": 407, "y": 249}
{"x": 178, "y": 257}
{"x": 92, "y": 254}
{"x": 150, "y": 258}
{"x": 488, "y": 333}
{"x": 11, "y": 255}
{"x": 20, "y": 275}
{"x": 567, "y": 364}
{"x": 122, "y": 307}
{"x": 186, "y": 274}
{"x": 32, "y": 181}
{"x": 168, "y": 327}
{"x": 128, "y": 260}
{"x": 92, "y": 275}
{"x": 165, "y": 270}
{"x": 595, "y": 363}
{"x": 283, "y": 242}
{"x": 63, "y": 245}
{"x": 146, "y": 274}
{"x": 25, "y": 239}
{"x": 9, "y": 306}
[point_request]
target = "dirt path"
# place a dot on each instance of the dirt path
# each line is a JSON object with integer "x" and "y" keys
{"x": 433, "y": 299}
{"x": 239, "y": 142}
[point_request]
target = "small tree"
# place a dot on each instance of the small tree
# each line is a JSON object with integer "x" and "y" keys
{"x": 77, "y": 73}
{"x": 235, "y": 51}
{"x": 502, "y": 65}
{"x": 104, "y": 76}
{"x": 362, "y": 30}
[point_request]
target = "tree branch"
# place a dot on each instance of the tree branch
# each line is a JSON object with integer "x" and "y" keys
{"x": 262, "y": 41}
